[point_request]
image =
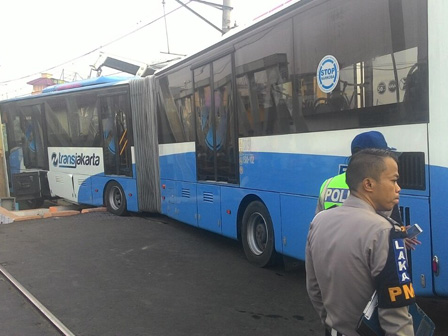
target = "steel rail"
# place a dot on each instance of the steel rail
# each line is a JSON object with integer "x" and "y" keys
{"x": 53, "y": 319}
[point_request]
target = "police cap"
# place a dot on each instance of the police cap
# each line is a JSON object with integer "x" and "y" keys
{"x": 371, "y": 139}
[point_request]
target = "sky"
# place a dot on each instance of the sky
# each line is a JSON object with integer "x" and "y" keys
{"x": 65, "y": 39}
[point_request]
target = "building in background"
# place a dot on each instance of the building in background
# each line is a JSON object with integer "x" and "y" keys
{"x": 41, "y": 83}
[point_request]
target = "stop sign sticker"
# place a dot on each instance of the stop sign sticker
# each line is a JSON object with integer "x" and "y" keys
{"x": 328, "y": 74}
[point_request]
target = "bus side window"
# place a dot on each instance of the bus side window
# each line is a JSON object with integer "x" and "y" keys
{"x": 86, "y": 116}
{"x": 416, "y": 85}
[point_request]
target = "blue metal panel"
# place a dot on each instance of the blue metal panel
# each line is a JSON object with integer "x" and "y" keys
{"x": 181, "y": 167}
{"x": 179, "y": 201}
{"x": 299, "y": 174}
{"x": 439, "y": 220}
{"x": 185, "y": 203}
{"x": 168, "y": 197}
{"x": 209, "y": 207}
{"x": 417, "y": 208}
{"x": 130, "y": 190}
{"x": 85, "y": 192}
{"x": 297, "y": 214}
{"x": 230, "y": 201}
{"x": 98, "y": 183}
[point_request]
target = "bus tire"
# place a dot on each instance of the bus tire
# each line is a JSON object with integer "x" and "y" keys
{"x": 115, "y": 199}
{"x": 257, "y": 235}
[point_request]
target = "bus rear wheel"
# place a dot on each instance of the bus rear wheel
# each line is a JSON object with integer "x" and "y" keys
{"x": 257, "y": 235}
{"x": 115, "y": 199}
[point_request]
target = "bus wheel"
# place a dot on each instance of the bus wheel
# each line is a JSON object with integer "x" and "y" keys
{"x": 115, "y": 199}
{"x": 258, "y": 235}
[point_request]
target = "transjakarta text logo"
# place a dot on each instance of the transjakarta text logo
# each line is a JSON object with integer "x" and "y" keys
{"x": 328, "y": 74}
{"x": 74, "y": 160}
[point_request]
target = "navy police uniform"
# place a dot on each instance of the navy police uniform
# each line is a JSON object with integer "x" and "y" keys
{"x": 352, "y": 251}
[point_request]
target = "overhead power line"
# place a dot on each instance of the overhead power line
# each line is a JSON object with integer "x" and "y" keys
{"x": 96, "y": 49}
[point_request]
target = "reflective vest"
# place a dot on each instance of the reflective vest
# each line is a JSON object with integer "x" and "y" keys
{"x": 333, "y": 192}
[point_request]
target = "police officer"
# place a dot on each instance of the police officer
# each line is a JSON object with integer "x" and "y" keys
{"x": 352, "y": 250}
{"x": 334, "y": 191}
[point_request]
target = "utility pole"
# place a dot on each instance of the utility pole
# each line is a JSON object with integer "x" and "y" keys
{"x": 225, "y": 7}
{"x": 226, "y": 17}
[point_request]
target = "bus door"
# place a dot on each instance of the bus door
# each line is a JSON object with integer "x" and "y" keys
{"x": 115, "y": 121}
{"x": 27, "y": 124}
{"x": 216, "y": 149}
{"x": 27, "y": 156}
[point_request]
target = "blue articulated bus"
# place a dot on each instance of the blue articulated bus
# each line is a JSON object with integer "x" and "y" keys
{"x": 237, "y": 138}
{"x": 73, "y": 141}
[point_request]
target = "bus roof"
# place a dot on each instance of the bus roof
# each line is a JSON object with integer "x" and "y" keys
{"x": 85, "y": 82}
{"x": 78, "y": 85}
